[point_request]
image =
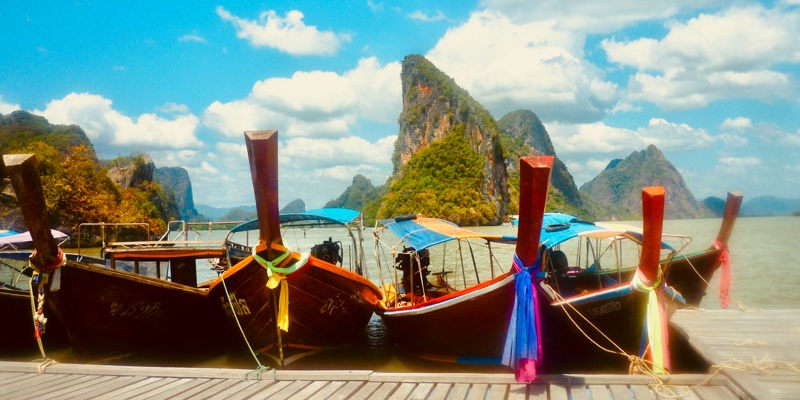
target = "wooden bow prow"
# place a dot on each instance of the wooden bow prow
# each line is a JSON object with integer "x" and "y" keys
{"x": 23, "y": 169}
{"x": 653, "y": 223}
{"x": 732, "y": 205}
{"x": 534, "y": 177}
{"x": 262, "y": 151}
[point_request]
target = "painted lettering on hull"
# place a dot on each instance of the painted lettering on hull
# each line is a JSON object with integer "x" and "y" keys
{"x": 140, "y": 310}
{"x": 239, "y": 306}
{"x": 606, "y": 308}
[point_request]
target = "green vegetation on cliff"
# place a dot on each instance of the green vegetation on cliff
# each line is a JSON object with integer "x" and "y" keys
{"x": 76, "y": 187}
{"x": 444, "y": 180}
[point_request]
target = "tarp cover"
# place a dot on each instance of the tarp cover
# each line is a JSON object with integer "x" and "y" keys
{"x": 340, "y": 216}
{"x": 17, "y": 238}
{"x": 421, "y": 233}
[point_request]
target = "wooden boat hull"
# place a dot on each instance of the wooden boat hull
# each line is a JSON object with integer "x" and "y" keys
{"x": 691, "y": 274}
{"x": 109, "y": 313}
{"x": 468, "y": 326}
{"x": 618, "y": 312}
{"x": 18, "y": 331}
{"x": 329, "y": 307}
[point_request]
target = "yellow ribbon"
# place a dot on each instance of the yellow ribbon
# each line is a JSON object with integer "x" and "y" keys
{"x": 277, "y": 276}
{"x": 655, "y": 321}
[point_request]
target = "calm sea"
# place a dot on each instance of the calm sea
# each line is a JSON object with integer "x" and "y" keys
{"x": 763, "y": 257}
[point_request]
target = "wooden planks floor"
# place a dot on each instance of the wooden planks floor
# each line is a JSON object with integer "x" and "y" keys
{"x": 758, "y": 350}
{"x": 80, "y": 381}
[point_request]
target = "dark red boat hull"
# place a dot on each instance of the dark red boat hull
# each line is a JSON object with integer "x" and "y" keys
{"x": 329, "y": 306}
{"x": 466, "y": 326}
{"x": 111, "y": 313}
{"x": 18, "y": 331}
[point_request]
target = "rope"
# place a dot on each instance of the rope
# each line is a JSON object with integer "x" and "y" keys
{"x": 39, "y": 320}
{"x": 261, "y": 368}
{"x": 739, "y": 304}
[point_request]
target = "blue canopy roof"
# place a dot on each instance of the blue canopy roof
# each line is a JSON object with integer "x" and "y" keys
{"x": 422, "y": 233}
{"x": 340, "y": 216}
{"x": 558, "y": 228}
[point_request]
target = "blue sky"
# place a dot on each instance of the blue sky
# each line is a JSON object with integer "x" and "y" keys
{"x": 713, "y": 84}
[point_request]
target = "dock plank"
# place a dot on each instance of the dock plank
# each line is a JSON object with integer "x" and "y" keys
{"x": 346, "y": 390}
{"x": 459, "y": 391}
{"x": 759, "y": 351}
{"x": 105, "y": 387}
{"x": 518, "y": 391}
{"x": 128, "y": 383}
{"x": 65, "y": 391}
{"x": 242, "y": 389}
{"x": 365, "y": 391}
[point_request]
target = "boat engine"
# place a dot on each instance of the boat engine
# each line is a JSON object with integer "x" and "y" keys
{"x": 329, "y": 251}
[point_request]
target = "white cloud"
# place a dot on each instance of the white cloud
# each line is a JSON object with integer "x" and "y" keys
{"x": 108, "y": 128}
{"x": 313, "y": 104}
{"x": 595, "y": 16}
{"x": 528, "y": 65}
{"x": 739, "y": 162}
{"x": 792, "y": 139}
{"x": 673, "y": 137}
{"x": 594, "y": 138}
{"x": 421, "y": 16}
{"x": 169, "y": 108}
{"x": 192, "y": 38}
{"x": 8, "y": 108}
{"x": 713, "y": 57}
{"x": 738, "y": 123}
{"x": 289, "y": 34}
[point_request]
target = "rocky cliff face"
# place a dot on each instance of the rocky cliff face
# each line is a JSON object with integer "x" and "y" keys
{"x": 620, "y": 186}
{"x": 177, "y": 180}
{"x": 434, "y": 106}
{"x": 132, "y": 172}
{"x": 526, "y": 127}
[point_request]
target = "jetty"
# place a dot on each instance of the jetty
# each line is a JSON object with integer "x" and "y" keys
{"x": 758, "y": 350}
{"x": 749, "y": 355}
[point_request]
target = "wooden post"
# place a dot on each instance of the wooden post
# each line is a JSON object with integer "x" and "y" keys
{"x": 653, "y": 223}
{"x": 262, "y": 151}
{"x": 23, "y": 169}
{"x": 2, "y": 174}
{"x": 732, "y": 205}
{"x": 534, "y": 178}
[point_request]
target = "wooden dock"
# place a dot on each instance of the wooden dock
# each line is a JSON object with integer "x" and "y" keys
{"x": 759, "y": 351}
{"x": 79, "y": 381}
{"x": 751, "y": 355}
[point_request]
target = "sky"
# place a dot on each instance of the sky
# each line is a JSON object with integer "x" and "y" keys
{"x": 713, "y": 84}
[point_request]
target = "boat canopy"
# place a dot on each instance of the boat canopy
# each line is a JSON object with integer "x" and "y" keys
{"x": 340, "y": 216}
{"x": 558, "y": 228}
{"x": 422, "y": 233}
{"x": 13, "y": 238}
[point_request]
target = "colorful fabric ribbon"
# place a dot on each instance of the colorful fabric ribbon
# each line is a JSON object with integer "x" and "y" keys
{"x": 725, "y": 278}
{"x": 523, "y": 348}
{"x": 277, "y": 276}
{"x": 656, "y": 326}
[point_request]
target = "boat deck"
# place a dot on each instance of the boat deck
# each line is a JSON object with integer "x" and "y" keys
{"x": 759, "y": 351}
{"x": 65, "y": 381}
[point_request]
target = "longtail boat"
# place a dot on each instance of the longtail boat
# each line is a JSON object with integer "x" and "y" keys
{"x": 287, "y": 304}
{"x": 457, "y": 319}
{"x": 109, "y": 312}
{"x": 593, "y": 322}
{"x": 606, "y": 246}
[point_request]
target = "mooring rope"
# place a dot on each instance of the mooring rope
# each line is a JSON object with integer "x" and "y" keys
{"x": 261, "y": 368}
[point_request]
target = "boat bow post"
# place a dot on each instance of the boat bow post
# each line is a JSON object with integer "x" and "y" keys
{"x": 23, "y": 169}
{"x": 732, "y": 205}
{"x": 523, "y": 347}
{"x": 648, "y": 279}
